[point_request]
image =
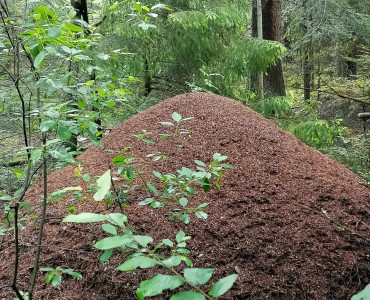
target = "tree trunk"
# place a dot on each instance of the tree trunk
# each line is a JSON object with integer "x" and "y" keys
{"x": 80, "y": 7}
{"x": 147, "y": 78}
{"x": 307, "y": 54}
{"x": 274, "y": 80}
{"x": 260, "y": 36}
{"x": 271, "y": 17}
{"x": 306, "y": 70}
{"x": 352, "y": 56}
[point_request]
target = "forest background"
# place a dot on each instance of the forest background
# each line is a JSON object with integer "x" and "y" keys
{"x": 72, "y": 70}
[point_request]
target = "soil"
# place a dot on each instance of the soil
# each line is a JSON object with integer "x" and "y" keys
{"x": 266, "y": 221}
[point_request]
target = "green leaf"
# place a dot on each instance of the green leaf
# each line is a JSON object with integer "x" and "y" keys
{"x": 186, "y": 172}
{"x": 148, "y": 141}
{"x": 106, "y": 255}
{"x": 157, "y": 285}
{"x": 54, "y": 32}
{"x": 188, "y": 295}
{"x": 172, "y": 261}
{"x": 216, "y": 156}
{"x": 143, "y": 240}
{"x": 104, "y": 184}
{"x": 112, "y": 242}
{"x": 39, "y": 59}
{"x": 223, "y": 285}
{"x": 166, "y": 123}
{"x": 180, "y": 236}
{"x": 85, "y": 218}
{"x": 74, "y": 27}
{"x": 152, "y": 188}
{"x": 157, "y": 174}
{"x": 185, "y": 218}
{"x": 83, "y": 57}
{"x": 25, "y": 205}
{"x": 176, "y": 117}
{"x": 110, "y": 228}
{"x": 363, "y": 295}
{"x": 167, "y": 242}
{"x": 202, "y": 205}
{"x": 142, "y": 262}
{"x": 201, "y": 215}
{"x": 183, "y": 202}
{"x": 103, "y": 56}
{"x": 117, "y": 219}
{"x": 200, "y": 163}
{"x": 75, "y": 275}
{"x": 198, "y": 276}
{"x": 206, "y": 186}
{"x": 64, "y": 132}
{"x": 138, "y": 7}
{"x": 47, "y": 124}
{"x": 5, "y": 198}
{"x": 56, "y": 280}
{"x": 183, "y": 251}
{"x": 86, "y": 177}
{"x": 47, "y": 269}
{"x": 129, "y": 172}
{"x": 146, "y": 201}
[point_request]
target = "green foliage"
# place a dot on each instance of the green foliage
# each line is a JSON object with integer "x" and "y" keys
{"x": 300, "y": 118}
{"x": 177, "y": 125}
{"x": 363, "y": 295}
{"x": 277, "y": 107}
{"x": 353, "y": 152}
{"x": 54, "y": 276}
{"x": 145, "y": 256}
{"x": 319, "y": 134}
{"x": 175, "y": 46}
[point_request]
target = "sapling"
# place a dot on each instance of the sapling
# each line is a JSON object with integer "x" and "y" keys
{"x": 54, "y": 276}
{"x": 139, "y": 254}
{"x": 178, "y": 120}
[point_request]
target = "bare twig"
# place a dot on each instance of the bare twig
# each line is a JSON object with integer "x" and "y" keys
{"x": 333, "y": 93}
{"x": 42, "y": 222}
{"x": 324, "y": 214}
{"x": 16, "y": 248}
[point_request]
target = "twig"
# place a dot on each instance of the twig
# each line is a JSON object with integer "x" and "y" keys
{"x": 324, "y": 214}
{"x": 333, "y": 93}
{"x": 16, "y": 259}
{"x": 42, "y": 222}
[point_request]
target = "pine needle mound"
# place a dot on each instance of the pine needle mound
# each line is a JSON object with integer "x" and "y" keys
{"x": 267, "y": 221}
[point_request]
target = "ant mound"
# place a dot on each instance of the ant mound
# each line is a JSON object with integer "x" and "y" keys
{"x": 293, "y": 223}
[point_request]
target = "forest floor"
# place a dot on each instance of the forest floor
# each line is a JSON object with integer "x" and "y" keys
{"x": 266, "y": 221}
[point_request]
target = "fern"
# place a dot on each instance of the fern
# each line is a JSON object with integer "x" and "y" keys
{"x": 319, "y": 134}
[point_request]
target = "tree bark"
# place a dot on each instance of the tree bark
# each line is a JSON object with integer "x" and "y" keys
{"x": 80, "y": 7}
{"x": 271, "y": 18}
{"x": 260, "y": 36}
{"x": 274, "y": 80}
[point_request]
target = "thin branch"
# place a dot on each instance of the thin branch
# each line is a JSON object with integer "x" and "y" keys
{"x": 324, "y": 214}
{"x": 333, "y": 93}
{"x": 16, "y": 248}
{"x": 42, "y": 222}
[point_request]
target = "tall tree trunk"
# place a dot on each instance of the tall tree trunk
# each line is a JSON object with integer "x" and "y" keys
{"x": 271, "y": 18}
{"x": 260, "y": 36}
{"x": 274, "y": 80}
{"x": 80, "y": 7}
{"x": 306, "y": 70}
{"x": 352, "y": 56}
{"x": 147, "y": 78}
{"x": 307, "y": 54}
